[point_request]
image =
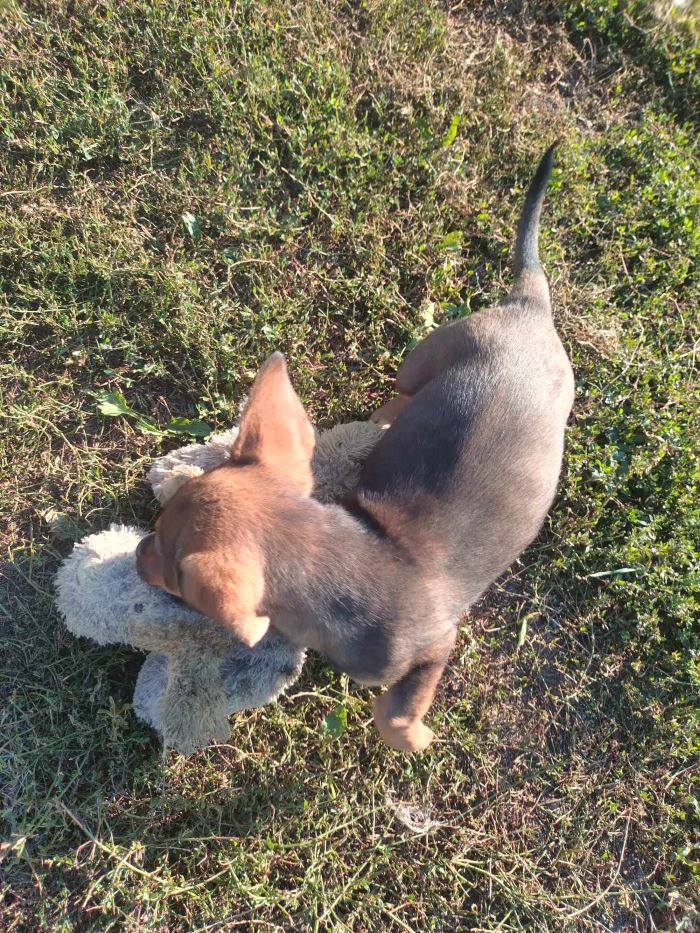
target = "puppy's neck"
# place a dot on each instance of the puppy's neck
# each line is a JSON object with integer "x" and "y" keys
{"x": 311, "y": 541}
{"x": 317, "y": 555}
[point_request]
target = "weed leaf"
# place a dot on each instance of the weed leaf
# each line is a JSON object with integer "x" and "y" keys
{"x": 191, "y": 426}
{"x": 192, "y": 225}
{"x": 336, "y": 722}
{"x": 451, "y": 134}
{"x": 522, "y": 634}
{"x": 112, "y": 404}
{"x": 452, "y": 242}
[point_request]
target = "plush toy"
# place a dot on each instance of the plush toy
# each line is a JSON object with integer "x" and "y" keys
{"x": 197, "y": 673}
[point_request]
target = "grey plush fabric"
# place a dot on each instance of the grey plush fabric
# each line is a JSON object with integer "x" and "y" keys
{"x": 339, "y": 456}
{"x": 244, "y": 679}
{"x": 197, "y": 673}
{"x": 170, "y": 471}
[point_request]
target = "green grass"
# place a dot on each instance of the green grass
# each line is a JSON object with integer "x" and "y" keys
{"x": 329, "y": 211}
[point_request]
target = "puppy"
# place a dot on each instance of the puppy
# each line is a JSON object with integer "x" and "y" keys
{"x": 455, "y": 489}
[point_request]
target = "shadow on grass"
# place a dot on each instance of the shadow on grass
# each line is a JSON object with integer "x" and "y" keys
{"x": 70, "y": 737}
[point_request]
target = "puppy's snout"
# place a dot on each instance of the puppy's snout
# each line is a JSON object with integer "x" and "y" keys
{"x": 143, "y": 549}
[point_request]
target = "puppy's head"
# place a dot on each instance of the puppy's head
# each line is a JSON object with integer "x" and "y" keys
{"x": 208, "y": 546}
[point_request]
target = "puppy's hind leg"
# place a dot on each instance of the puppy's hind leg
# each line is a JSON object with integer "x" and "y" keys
{"x": 449, "y": 344}
{"x": 398, "y": 713}
{"x": 387, "y": 414}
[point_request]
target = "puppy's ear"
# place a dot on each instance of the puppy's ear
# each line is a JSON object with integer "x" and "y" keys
{"x": 228, "y": 589}
{"x": 274, "y": 428}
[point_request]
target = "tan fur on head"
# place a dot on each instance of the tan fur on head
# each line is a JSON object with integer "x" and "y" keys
{"x": 205, "y": 545}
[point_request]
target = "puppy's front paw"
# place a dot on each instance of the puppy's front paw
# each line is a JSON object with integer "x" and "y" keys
{"x": 406, "y": 735}
{"x": 251, "y": 630}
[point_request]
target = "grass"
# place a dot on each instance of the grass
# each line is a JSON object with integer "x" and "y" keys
{"x": 186, "y": 186}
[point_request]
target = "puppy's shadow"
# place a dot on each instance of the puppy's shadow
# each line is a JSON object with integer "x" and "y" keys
{"x": 563, "y": 691}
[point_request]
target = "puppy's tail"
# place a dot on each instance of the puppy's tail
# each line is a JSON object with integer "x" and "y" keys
{"x": 526, "y": 265}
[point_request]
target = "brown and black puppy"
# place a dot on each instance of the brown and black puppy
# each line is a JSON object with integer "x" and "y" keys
{"x": 455, "y": 489}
